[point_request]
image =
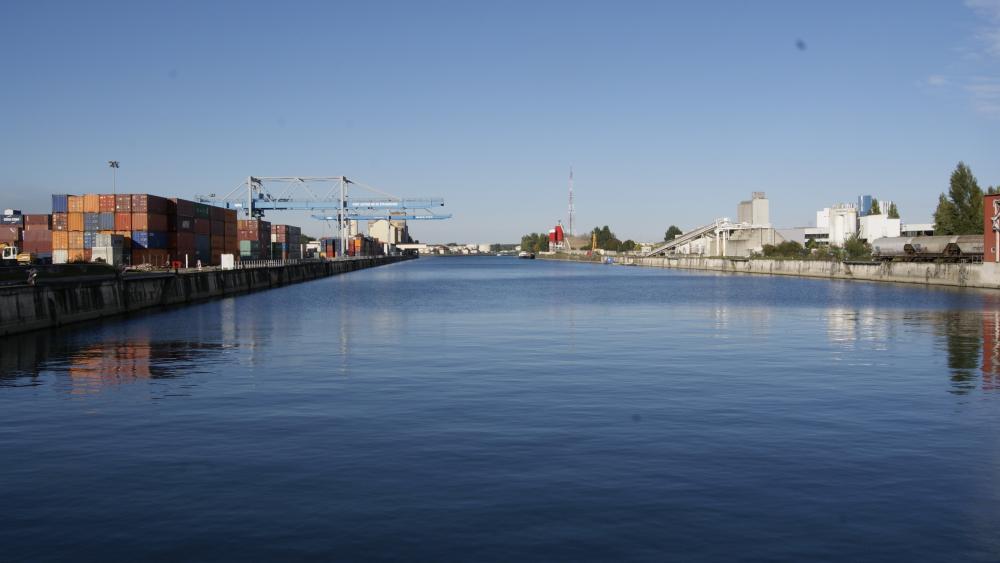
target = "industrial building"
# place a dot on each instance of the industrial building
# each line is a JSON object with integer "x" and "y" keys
{"x": 723, "y": 237}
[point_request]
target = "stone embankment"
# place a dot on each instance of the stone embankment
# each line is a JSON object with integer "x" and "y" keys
{"x": 55, "y": 303}
{"x": 984, "y": 275}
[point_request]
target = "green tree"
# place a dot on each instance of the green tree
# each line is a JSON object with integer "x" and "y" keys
{"x": 535, "y": 242}
{"x": 893, "y": 212}
{"x": 961, "y": 211}
{"x": 629, "y": 246}
{"x": 857, "y": 249}
{"x": 875, "y": 210}
{"x": 672, "y": 233}
{"x": 606, "y": 240}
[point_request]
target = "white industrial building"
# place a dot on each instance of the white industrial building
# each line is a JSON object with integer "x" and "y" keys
{"x": 873, "y": 227}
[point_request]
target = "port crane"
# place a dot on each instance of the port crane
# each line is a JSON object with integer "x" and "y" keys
{"x": 328, "y": 195}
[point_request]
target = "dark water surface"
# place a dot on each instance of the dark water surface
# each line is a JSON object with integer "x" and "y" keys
{"x": 493, "y": 409}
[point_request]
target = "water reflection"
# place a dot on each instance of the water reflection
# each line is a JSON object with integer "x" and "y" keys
{"x": 969, "y": 339}
{"x": 28, "y": 359}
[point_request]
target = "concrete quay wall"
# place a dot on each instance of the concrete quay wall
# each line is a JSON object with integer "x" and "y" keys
{"x": 984, "y": 275}
{"x": 26, "y": 308}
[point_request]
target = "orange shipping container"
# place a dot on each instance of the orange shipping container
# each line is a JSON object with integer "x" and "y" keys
{"x": 75, "y": 240}
{"x": 91, "y": 203}
{"x": 60, "y": 240}
{"x": 74, "y": 204}
{"x": 75, "y": 255}
{"x": 107, "y": 203}
{"x": 75, "y": 222}
{"x": 123, "y": 221}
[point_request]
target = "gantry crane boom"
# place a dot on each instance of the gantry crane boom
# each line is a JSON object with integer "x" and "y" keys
{"x": 322, "y": 194}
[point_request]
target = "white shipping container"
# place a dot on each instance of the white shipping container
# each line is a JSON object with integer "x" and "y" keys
{"x": 108, "y": 254}
{"x": 60, "y": 256}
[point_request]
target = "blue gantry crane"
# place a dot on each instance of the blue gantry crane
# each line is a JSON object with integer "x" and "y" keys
{"x": 330, "y": 196}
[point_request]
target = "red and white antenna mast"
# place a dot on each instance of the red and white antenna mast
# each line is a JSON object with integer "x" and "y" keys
{"x": 572, "y": 211}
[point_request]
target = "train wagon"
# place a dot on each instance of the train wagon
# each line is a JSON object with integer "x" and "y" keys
{"x": 951, "y": 248}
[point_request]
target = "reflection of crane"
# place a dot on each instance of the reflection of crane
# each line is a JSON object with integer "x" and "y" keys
{"x": 322, "y": 194}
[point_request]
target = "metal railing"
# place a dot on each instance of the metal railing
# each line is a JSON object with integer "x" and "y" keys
{"x": 270, "y": 263}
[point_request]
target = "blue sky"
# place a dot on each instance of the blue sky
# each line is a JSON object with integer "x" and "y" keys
{"x": 669, "y": 112}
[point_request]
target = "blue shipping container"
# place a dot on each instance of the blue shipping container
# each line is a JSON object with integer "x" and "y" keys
{"x": 149, "y": 239}
{"x": 88, "y": 239}
{"x": 159, "y": 240}
{"x": 91, "y": 221}
{"x": 60, "y": 203}
{"x": 203, "y": 248}
{"x": 106, "y": 221}
{"x": 140, "y": 239}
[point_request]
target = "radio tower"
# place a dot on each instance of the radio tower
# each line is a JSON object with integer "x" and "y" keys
{"x": 572, "y": 212}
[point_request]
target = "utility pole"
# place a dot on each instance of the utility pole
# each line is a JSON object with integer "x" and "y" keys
{"x": 114, "y": 176}
{"x": 572, "y": 211}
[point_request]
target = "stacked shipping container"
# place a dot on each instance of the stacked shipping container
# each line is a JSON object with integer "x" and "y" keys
{"x": 153, "y": 230}
{"x": 255, "y": 239}
{"x": 285, "y": 242}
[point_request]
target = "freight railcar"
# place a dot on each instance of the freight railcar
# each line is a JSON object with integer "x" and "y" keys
{"x": 955, "y": 248}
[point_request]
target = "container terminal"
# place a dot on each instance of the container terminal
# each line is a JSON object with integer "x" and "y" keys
{"x": 97, "y": 255}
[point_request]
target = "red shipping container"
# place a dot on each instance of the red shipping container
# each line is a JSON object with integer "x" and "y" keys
{"x": 202, "y": 226}
{"x": 154, "y": 257}
{"x": 218, "y": 227}
{"x": 123, "y": 221}
{"x": 183, "y": 207}
{"x": 88, "y": 254}
{"x": 231, "y": 231}
{"x": 10, "y": 234}
{"x": 38, "y": 221}
{"x": 148, "y": 203}
{"x": 123, "y": 204}
{"x": 107, "y": 203}
{"x": 217, "y": 213}
{"x": 218, "y": 242}
{"x": 229, "y": 215}
{"x": 37, "y": 235}
{"x": 60, "y": 222}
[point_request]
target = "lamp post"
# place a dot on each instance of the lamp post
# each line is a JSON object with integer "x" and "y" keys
{"x": 114, "y": 176}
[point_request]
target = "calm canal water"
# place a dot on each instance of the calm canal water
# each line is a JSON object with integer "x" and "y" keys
{"x": 491, "y": 409}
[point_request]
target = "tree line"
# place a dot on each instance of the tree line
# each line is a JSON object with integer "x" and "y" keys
{"x": 960, "y": 211}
